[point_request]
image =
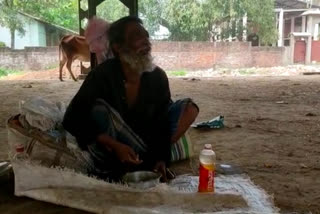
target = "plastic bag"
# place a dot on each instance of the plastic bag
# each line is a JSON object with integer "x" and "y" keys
{"x": 215, "y": 123}
{"x": 41, "y": 113}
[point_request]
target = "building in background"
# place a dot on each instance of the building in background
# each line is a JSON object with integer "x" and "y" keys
{"x": 298, "y": 28}
{"x": 38, "y": 33}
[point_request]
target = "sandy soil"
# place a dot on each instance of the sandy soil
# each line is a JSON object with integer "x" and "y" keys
{"x": 272, "y": 131}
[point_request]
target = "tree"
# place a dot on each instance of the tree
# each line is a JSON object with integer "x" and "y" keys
{"x": 262, "y": 19}
{"x": 111, "y": 10}
{"x": 59, "y": 12}
{"x": 9, "y": 17}
{"x": 186, "y": 20}
{"x": 196, "y": 20}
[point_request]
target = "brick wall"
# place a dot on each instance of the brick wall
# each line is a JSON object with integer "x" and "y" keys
{"x": 269, "y": 56}
{"x": 204, "y": 55}
{"x": 186, "y": 55}
{"x": 30, "y": 58}
{"x": 168, "y": 55}
{"x": 233, "y": 55}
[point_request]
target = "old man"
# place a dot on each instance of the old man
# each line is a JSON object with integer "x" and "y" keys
{"x": 123, "y": 114}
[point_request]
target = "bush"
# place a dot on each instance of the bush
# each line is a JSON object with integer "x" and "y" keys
{"x": 6, "y": 72}
{"x": 3, "y": 72}
{"x": 2, "y": 45}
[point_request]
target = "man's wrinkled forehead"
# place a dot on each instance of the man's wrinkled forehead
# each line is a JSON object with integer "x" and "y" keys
{"x": 135, "y": 28}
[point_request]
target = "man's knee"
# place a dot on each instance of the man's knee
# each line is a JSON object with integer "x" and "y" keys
{"x": 191, "y": 110}
{"x": 100, "y": 116}
{"x": 98, "y": 112}
{"x": 99, "y": 109}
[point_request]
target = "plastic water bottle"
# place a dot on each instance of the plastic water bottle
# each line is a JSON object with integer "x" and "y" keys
{"x": 207, "y": 169}
{"x": 20, "y": 154}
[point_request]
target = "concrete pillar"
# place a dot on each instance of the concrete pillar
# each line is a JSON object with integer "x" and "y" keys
{"x": 292, "y": 44}
{"x": 308, "y": 50}
{"x": 292, "y": 25}
{"x": 244, "y": 24}
{"x": 303, "y": 29}
{"x": 309, "y": 24}
{"x": 280, "y": 34}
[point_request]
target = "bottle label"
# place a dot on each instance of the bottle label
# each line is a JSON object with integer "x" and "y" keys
{"x": 206, "y": 178}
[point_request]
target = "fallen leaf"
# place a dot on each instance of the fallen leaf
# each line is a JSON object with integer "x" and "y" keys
{"x": 244, "y": 99}
{"x": 267, "y": 165}
{"x": 303, "y": 165}
{"x": 310, "y": 114}
{"x": 195, "y": 79}
{"x": 282, "y": 102}
{"x": 27, "y": 86}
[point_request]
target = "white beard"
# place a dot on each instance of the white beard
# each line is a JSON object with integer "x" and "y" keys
{"x": 138, "y": 63}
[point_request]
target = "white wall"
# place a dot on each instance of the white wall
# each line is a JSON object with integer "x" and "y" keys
{"x": 315, "y": 21}
{"x": 35, "y": 35}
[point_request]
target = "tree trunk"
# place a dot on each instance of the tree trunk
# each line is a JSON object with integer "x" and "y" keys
{"x": 12, "y": 38}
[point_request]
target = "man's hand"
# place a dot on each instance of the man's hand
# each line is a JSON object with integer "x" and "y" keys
{"x": 160, "y": 167}
{"x": 123, "y": 152}
{"x": 126, "y": 155}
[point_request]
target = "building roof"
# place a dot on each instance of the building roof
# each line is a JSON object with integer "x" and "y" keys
{"x": 48, "y": 23}
{"x": 311, "y": 12}
{"x": 301, "y": 34}
{"x": 293, "y": 4}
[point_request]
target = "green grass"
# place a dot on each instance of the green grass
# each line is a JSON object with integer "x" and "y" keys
{"x": 246, "y": 71}
{"x": 178, "y": 73}
{"x": 5, "y": 72}
{"x": 52, "y": 66}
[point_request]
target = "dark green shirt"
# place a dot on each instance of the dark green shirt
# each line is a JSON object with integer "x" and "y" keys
{"x": 148, "y": 118}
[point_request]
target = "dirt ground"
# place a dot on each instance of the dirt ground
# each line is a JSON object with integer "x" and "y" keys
{"x": 272, "y": 130}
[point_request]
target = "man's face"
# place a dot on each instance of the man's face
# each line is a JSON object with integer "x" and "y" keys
{"x": 136, "y": 50}
{"x": 137, "y": 39}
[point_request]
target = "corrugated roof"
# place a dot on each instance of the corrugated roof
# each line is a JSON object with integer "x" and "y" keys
{"x": 48, "y": 23}
{"x": 293, "y": 4}
{"x": 311, "y": 12}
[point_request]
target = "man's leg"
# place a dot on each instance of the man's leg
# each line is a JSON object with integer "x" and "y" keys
{"x": 183, "y": 113}
{"x": 107, "y": 120}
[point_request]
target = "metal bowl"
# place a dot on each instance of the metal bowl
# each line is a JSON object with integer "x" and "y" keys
{"x": 142, "y": 179}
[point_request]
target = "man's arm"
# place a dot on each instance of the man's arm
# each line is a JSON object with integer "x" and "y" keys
{"x": 162, "y": 136}
{"x": 76, "y": 118}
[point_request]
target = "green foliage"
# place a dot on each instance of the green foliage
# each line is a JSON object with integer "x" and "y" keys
{"x": 247, "y": 71}
{"x": 262, "y": 18}
{"x": 60, "y": 12}
{"x": 6, "y": 72}
{"x": 2, "y": 44}
{"x": 195, "y": 20}
{"x": 112, "y": 10}
{"x": 9, "y": 17}
{"x": 179, "y": 73}
{"x": 187, "y": 20}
